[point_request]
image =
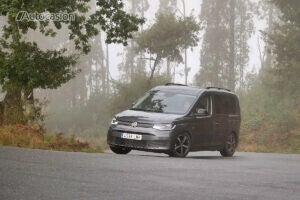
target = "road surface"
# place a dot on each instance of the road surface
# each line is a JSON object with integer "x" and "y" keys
{"x": 38, "y": 174}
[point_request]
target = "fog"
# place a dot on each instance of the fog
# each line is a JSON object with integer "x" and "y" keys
{"x": 193, "y": 7}
{"x": 240, "y": 45}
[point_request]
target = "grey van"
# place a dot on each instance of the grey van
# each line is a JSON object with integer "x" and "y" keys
{"x": 177, "y": 119}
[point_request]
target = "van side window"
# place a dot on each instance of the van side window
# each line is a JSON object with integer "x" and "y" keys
{"x": 204, "y": 103}
{"x": 225, "y": 104}
{"x": 231, "y": 105}
{"x": 219, "y": 104}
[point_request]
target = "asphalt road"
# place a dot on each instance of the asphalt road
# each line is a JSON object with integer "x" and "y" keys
{"x": 38, "y": 174}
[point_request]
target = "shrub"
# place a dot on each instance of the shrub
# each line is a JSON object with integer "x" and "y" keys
{"x": 34, "y": 136}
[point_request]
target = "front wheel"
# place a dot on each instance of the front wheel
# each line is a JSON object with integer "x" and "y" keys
{"x": 120, "y": 150}
{"x": 230, "y": 146}
{"x": 180, "y": 146}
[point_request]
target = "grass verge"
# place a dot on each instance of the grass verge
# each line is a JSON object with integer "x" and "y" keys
{"x": 36, "y": 137}
{"x": 257, "y": 141}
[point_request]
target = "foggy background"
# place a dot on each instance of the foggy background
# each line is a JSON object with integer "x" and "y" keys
{"x": 113, "y": 76}
{"x": 192, "y": 7}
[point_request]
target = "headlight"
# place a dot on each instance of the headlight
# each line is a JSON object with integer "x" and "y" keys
{"x": 164, "y": 127}
{"x": 114, "y": 121}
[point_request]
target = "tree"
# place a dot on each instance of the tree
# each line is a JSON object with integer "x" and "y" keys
{"x": 131, "y": 63}
{"x": 224, "y": 54}
{"x": 285, "y": 43}
{"x": 244, "y": 28}
{"x": 214, "y": 47}
{"x": 271, "y": 106}
{"x": 24, "y": 66}
{"x": 269, "y": 12}
{"x": 231, "y": 58}
{"x": 166, "y": 38}
{"x": 168, "y": 6}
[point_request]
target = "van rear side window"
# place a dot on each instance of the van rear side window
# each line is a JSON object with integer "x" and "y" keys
{"x": 225, "y": 104}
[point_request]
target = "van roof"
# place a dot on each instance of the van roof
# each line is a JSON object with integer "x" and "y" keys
{"x": 192, "y": 90}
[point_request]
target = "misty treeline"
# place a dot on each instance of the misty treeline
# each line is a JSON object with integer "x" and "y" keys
{"x": 76, "y": 93}
{"x": 45, "y": 54}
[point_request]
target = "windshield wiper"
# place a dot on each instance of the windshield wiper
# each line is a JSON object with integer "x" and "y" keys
{"x": 157, "y": 111}
{"x": 138, "y": 109}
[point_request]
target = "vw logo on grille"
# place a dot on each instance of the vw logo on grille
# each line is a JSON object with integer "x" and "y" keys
{"x": 134, "y": 124}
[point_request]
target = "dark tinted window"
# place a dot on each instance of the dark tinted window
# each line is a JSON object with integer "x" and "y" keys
{"x": 231, "y": 105}
{"x": 220, "y": 109}
{"x": 225, "y": 104}
{"x": 204, "y": 103}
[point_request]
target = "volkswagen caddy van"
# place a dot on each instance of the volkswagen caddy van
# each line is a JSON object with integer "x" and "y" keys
{"x": 177, "y": 119}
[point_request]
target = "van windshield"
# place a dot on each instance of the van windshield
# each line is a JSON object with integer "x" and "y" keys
{"x": 164, "y": 102}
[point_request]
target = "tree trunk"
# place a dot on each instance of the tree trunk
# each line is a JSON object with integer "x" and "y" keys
{"x": 1, "y": 112}
{"x": 156, "y": 61}
{"x": 168, "y": 69}
{"x": 13, "y": 111}
{"x": 231, "y": 71}
{"x": 30, "y": 113}
{"x": 101, "y": 75}
{"x": 107, "y": 70}
{"x": 186, "y": 71}
{"x": 268, "y": 61}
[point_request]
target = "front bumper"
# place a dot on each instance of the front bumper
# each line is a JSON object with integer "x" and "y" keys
{"x": 152, "y": 140}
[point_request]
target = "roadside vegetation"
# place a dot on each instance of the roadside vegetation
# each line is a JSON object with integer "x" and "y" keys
{"x": 35, "y": 137}
{"x": 270, "y": 142}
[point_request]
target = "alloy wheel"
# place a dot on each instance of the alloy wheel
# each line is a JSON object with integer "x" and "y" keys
{"x": 231, "y": 143}
{"x": 182, "y": 145}
{"x": 230, "y": 146}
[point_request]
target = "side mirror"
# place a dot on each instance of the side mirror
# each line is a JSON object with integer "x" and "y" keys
{"x": 201, "y": 112}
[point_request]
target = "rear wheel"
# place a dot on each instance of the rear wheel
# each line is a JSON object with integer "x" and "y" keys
{"x": 230, "y": 146}
{"x": 120, "y": 150}
{"x": 181, "y": 145}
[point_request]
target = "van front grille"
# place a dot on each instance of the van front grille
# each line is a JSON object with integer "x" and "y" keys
{"x": 139, "y": 124}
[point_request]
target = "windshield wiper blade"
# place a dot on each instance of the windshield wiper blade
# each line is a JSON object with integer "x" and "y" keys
{"x": 138, "y": 109}
{"x": 157, "y": 111}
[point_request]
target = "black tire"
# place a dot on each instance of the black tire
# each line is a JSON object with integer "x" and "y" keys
{"x": 180, "y": 145}
{"x": 230, "y": 146}
{"x": 120, "y": 150}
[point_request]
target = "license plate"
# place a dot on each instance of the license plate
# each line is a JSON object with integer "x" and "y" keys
{"x": 131, "y": 136}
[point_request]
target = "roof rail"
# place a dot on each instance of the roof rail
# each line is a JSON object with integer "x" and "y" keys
{"x": 219, "y": 88}
{"x": 178, "y": 84}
